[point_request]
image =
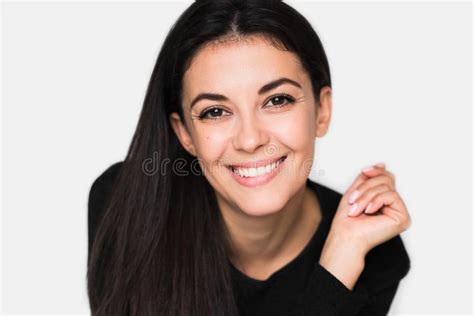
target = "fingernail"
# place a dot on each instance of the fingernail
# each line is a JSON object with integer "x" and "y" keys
{"x": 353, "y": 209}
{"x": 353, "y": 196}
{"x": 380, "y": 164}
{"x": 367, "y": 168}
{"x": 367, "y": 209}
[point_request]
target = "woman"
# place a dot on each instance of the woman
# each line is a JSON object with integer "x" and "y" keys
{"x": 212, "y": 212}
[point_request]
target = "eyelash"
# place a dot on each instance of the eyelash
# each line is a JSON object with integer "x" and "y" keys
{"x": 290, "y": 100}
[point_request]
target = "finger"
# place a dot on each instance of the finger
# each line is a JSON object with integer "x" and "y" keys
{"x": 363, "y": 201}
{"x": 374, "y": 169}
{"x": 357, "y": 181}
{"x": 370, "y": 183}
{"x": 396, "y": 209}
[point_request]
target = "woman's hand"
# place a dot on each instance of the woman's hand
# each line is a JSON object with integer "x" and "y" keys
{"x": 370, "y": 212}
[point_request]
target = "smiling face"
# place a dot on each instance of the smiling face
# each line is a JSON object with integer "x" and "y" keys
{"x": 247, "y": 103}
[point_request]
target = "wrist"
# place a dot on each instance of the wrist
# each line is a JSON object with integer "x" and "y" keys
{"x": 347, "y": 243}
{"x": 343, "y": 259}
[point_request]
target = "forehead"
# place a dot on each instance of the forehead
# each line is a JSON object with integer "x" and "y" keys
{"x": 245, "y": 64}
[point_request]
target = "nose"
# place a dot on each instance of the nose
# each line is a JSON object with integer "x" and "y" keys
{"x": 250, "y": 134}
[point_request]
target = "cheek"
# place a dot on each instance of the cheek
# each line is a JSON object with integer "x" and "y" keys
{"x": 211, "y": 145}
{"x": 294, "y": 130}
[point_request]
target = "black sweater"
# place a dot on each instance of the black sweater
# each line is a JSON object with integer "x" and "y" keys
{"x": 303, "y": 286}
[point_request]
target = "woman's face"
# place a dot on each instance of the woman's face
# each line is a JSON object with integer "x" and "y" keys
{"x": 246, "y": 102}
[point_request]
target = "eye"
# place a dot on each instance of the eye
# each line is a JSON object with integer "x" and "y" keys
{"x": 281, "y": 100}
{"x": 212, "y": 113}
{"x": 216, "y": 113}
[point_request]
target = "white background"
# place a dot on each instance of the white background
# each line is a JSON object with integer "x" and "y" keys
{"x": 74, "y": 76}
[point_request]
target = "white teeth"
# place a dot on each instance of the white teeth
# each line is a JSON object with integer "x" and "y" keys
{"x": 255, "y": 172}
{"x": 268, "y": 168}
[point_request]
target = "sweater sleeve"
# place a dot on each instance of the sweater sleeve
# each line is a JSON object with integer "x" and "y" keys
{"x": 373, "y": 292}
{"x": 327, "y": 295}
{"x": 98, "y": 198}
{"x": 379, "y": 304}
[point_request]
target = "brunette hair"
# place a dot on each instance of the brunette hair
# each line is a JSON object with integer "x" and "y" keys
{"x": 161, "y": 246}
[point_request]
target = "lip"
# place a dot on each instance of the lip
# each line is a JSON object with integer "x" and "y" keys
{"x": 260, "y": 180}
{"x": 256, "y": 164}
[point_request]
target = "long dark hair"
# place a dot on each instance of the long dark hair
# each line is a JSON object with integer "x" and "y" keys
{"x": 161, "y": 246}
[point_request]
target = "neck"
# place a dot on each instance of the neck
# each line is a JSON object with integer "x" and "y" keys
{"x": 261, "y": 245}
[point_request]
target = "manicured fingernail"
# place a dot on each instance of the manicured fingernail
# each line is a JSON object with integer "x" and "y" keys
{"x": 353, "y": 209}
{"x": 353, "y": 196}
{"x": 367, "y": 169}
{"x": 367, "y": 209}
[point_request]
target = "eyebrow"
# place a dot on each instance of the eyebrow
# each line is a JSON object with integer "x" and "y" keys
{"x": 267, "y": 87}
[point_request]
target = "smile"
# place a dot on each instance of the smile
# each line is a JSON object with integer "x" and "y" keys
{"x": 254, "y": 174}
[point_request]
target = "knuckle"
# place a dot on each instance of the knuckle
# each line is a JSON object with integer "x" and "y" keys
{"x": 393, "y": 178}
{"x": 389, "y": 179}
{"x": 376, "y": 200}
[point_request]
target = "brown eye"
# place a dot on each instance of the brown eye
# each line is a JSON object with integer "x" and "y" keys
{"x": 215, "y": 112}
{"x": 212, "y": 113}
{"x": 281, "y": 100}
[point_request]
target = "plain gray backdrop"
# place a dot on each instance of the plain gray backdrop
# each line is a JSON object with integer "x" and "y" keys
{"x": 74, "y": 76}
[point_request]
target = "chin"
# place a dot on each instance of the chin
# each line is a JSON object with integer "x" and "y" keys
{"x": 262, "y": 207}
